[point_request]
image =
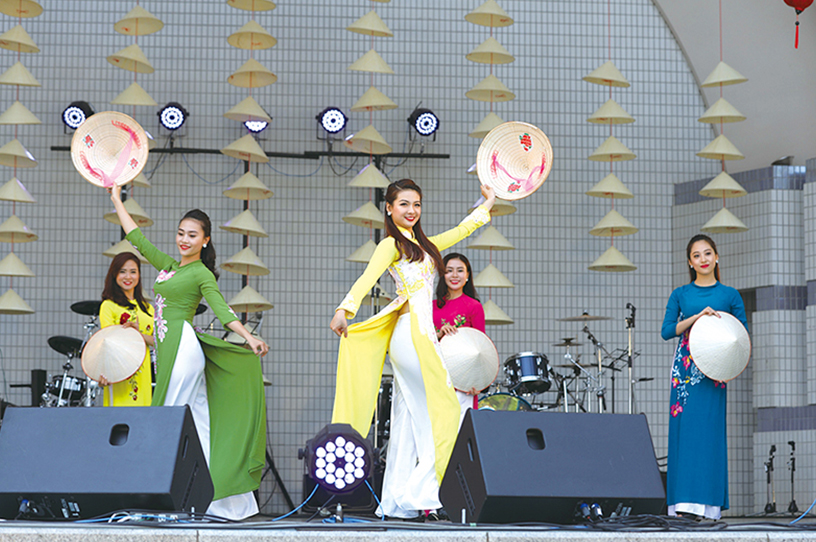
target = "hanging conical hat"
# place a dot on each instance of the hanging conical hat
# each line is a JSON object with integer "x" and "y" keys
{"x": 17, "y": 39}
{"x": 134, "y": 95}
{"x": 369, "y": 177}
{"x": 139, "y": 216}
{"x": 23, "y": 9}
{"x": 252, "y": 74}
{"x": 252, "y": 37}
{"x": 368, "y": 141}
{"x": 248, "y": 188}
{"x": 139, "y": 22}
{"x": 724, "y": 222}
{"x": 132, "y": 59}
{"x": 246, "y": 149}
{"x": 11, "y": 303}
{"x": 489, "y": 14}
{"x": 371, "y": 62}
{"x": 612, "y": 261}
{"x": 607, "y": 75}
{"x": 470, "y": 358}
{"x": 491, "y": 277}
{"x": 245, "y": 223}
{"x": 370, "y": 24}
{"x": 720, "y": 346}
{"x": 252, "y": 5}
{"x": 123, "y": 246}
{"x": 491, "y": 239}
{"x": 141, "y": 181}
{"x": 249, "y": 300}
{"x": 612, "y": 150}
{"x": 490, "y": 52}
{"x": 247, "y": 110}
{"x": 500, "y": 208}
{"x": 724, "y": 75}
{"x": 380, "y": 300}
{"x": 723, "y": 186}
{"x": 373, "y": 100}
{"x": 15, "y": 191}
{"x": 490, "y": 89}
{"x": 115, "y": 352}
{"x": 611, "y": 113}
{"x": 610, "y": 187}
{"x": 515, "y": 158}
{"x": 721, "y": 112}
{"x": 245, "y": 262}
{"x": 494, "y": 316}
{"x": 18, "y": 75}
{"x": 12, "y": 266}
{"x": 109, "y": 148}
{"x": 17, "y": 114}
{"x": 613, "y": 225}
{"x": 721, "y": 149}
{"x": 490, "y": 121}
{"x": 366, "y": 216}
{"x": 473, "y": 170}
{"x": 13, "y": 154}
{"x": 234, "y": 338}
{"x": 14, "y": 231}
{"x": 363, "y": 254}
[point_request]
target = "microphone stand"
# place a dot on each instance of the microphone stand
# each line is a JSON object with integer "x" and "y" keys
{"x": 770, "y": 506}
{"x": 792, "y": 508}
{"x": 630, "y": 326}
{"x": 599, "y": 391}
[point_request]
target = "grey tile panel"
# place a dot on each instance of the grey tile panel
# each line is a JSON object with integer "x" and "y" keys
{"x": 786, "y": 419}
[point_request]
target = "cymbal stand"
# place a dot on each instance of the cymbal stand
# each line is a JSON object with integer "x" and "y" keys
{"x": 588, "y": 378}
{"x": 600, "y": 351}
{"x": 792, "y": 508}
{"x": 91, "y": 386}
{"x": 630, "y": 326}
{"x": 65, "y": 368}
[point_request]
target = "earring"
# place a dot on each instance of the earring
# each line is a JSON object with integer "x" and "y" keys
{"x": 389, "y": 213}
{"x": 691, "y": 266}
{"x": 205, "y": 245}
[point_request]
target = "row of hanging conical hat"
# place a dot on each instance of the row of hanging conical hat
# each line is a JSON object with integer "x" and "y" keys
{"x": 13, "y": 154}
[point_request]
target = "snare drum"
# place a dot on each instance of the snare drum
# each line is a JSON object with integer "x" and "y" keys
{"x": 503, "y": 401}
{"x": 72, "y": 391}
{"x": 527, "y": 372}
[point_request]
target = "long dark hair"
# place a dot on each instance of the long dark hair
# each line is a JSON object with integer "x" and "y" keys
{"x": 112, "y": 290}
{"x": 405, "y": 247}
{"x": 208, "y": 251}
{"x": 710, "y": 241}
{"x": 442, "y": 288}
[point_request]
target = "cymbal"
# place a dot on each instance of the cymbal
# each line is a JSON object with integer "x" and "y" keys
{"x": 67, "y": 346}
{"x": 567, "y": 342}
{"x": 585, "y": 317}
{"x": 88, "y": 308}
{"x": 202, "y": 308}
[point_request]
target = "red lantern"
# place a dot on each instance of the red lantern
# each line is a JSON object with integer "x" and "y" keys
{"x": 799, "y": 6}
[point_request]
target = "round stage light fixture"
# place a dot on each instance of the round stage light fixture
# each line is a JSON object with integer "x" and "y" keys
{"x": 424, "y": 121}
{"x": 332, "y": 119}
{"x": 76, "y": 113}
{"x": 338, "y": 458}
{"x": 172, "y": 116}
{"x": 256, "y": 126}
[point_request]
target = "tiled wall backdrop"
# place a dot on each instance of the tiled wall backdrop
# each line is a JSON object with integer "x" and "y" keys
{"x": 555, "y": 43}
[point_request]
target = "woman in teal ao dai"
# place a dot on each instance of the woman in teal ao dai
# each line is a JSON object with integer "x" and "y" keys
{"x": 697, "y": 469}
{"x": 221, "y": 382}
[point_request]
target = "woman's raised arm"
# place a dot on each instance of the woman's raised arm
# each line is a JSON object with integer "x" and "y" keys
{"x": 128, "y": 224}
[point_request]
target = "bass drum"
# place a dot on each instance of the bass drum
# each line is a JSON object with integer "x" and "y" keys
{"x": 503, "y": 401}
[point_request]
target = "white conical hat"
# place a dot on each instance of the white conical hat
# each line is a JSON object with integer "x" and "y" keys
{"x": 123, "y": 246}
{"x": 490, "y": 121}
{"x": 721, "y": 111}
{"x": 491, "y": 239}
{"x": 15, "y": 191}
{"x": 500, "y": 208}
{"x": 13, "y": 154}
{"x": 381, "y": 298}
{"x": 720, "y": 346}
{"x": 248, "y": 110}
{"x": 245, "y": 223}
{"x": 612, "y": 260}
{"x": 373, "y": 100}
{"x": 610, "y": 187}
{"x": 115, "y": 352}
{"x": 494, "y": 316}
{"x": 252, "y": 74}
{"x": 252, "y": 5}
{"x": 17, "y": 39}
{"x": 723, "y": 186}
{"x": 132, "y": 59}
{"x": 724, "y": 75}
{"x": 611, "y": 113}
{"x": 252, "y": 37}
{"x": 613, "y": 225}
{"x": 515, "y": 158}
{"x": 134, "y": 95}
{"x": 249, "y": 188}
{"x": 721, "y": 149}
{"x": 12, "y": 266}
{"x": 369, "y": 177}
{"x": 612, "y": 150}
{"x": 17, "y": 113}
{"x": 19, "y": 75}
{"x": 23, "y": 9}
{"x": 13, "y": 230}
{"x": 366, "y": 216}
{"x": 245, "y": 262}
{"x": 249, "y": 300}
{"x": 139, "y": 216}
{"x": 607, "y": 75}
{"x": 141, "y": 181}
{"x": 363, "y": 254}
{"x": 491, "y": 277}
{"x": 470, "y": 358}
{"x": 490, "y": 89}
{"x": 138, "y": 22}
{"x": 490, "y": 52}
{"x": 724, "y": 222}
{"x": 368, "y": 141}
{"x": 246, "y": 149}
{"x": 109, "y": 148}
{"x": 11, "y": 303}
{"x": 371, "y": 62}
{"x": 489, "y": 14}
{"x": 370, "y": 24}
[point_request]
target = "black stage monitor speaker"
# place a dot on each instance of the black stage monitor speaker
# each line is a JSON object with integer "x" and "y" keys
{"x": 72, "y": 463}
{"x": 512, "y": 467}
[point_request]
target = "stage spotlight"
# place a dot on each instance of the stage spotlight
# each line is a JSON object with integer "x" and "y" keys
{"x": 338, "y": 458}
{"x": 76, "y": 113}
{"x": 256, "y": 126}
{"x": 332, "y": 119}
{"x": 424, "y": 121}
{"x": 172, "y": 116}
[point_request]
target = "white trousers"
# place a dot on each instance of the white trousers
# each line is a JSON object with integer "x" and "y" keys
{"x": 409, "y": 485}
{"x": 188, "y": 386}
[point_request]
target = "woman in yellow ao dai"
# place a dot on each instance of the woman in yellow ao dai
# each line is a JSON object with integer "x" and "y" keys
{"x": 425, "y": 410}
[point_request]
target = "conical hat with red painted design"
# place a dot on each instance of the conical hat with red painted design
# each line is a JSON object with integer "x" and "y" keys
{"x": 109, "y": 148}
